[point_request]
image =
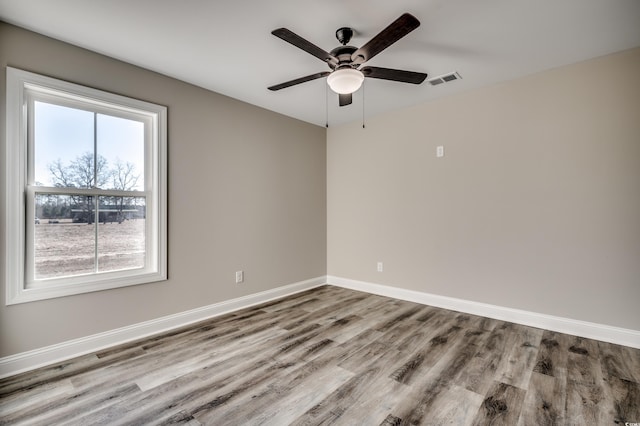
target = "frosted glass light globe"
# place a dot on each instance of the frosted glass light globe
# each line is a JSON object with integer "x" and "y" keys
{"x": 345, "y": 81}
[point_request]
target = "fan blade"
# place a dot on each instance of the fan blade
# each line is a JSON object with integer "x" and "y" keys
{"x": 394, "y": 75}
{"x": 394, "y": 32}
{"x": 307, "y": 46}
{"x": 299, "y": 80}
{"x": 344, "y": 100}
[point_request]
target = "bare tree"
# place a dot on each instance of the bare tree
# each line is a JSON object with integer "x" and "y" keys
{"x": 82, "y": 172}
{"x": 124, "y": 178}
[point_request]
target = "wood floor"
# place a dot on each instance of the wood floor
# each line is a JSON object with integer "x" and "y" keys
{"x": 336, "y": 356}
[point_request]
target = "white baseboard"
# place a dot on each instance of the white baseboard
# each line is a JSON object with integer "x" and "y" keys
{"x": 620, "y": 336}
{"x": 30, "y": 360}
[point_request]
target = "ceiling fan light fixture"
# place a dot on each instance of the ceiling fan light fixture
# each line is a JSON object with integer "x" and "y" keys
{"x": 346, "y": 80}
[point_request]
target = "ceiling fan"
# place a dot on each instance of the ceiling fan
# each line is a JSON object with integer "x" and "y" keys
{"x": 346, "y": 75}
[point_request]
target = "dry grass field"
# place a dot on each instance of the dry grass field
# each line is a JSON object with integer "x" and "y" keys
{"x": 65, "y": 248}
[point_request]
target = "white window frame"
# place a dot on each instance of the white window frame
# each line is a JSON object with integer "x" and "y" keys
{"x": 23, "y": 88}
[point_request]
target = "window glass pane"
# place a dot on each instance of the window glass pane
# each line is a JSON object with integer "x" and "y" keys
{"x": 121, "y": 233}
{"x": 121, "y": 144}
{"x": 63, "y": 146}
{"x": 64, "y": 236}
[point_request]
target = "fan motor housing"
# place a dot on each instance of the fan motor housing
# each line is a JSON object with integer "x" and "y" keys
{"x": 343, "y": 54}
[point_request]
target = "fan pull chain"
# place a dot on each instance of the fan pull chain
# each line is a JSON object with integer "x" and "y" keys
{"x": 326, "y": 105}
{"x": 363, "y": 85}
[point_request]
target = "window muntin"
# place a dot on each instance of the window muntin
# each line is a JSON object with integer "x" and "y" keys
{"x": 92, "y": 208}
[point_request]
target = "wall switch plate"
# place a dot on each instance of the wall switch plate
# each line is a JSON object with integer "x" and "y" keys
{"x": 239, "y": 277}
{"x": 440, "y": 151}
{"x": 380, "y": 268}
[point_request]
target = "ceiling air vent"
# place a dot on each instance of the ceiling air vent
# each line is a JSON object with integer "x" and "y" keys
{"x": 444, "y": 78}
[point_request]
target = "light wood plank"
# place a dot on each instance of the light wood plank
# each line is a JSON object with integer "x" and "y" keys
{"x": 501, "y": 406}
{"x": 516, "y": 368}
{"x": 544, "y": 403}
{"x": 553, "y": 354}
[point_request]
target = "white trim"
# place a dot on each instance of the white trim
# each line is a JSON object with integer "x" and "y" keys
{"x": 15, "y": 175}
{"x": 30, "y": 360}
{"x": 606, "y": 333}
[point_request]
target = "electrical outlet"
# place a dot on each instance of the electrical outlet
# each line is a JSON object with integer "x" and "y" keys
{"x": 239, "y": 277}
{"x": 440, "y": 151}
{"x": 380, "y": 268}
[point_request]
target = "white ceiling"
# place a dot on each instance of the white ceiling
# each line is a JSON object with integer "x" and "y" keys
{"x": 226, "y": 45}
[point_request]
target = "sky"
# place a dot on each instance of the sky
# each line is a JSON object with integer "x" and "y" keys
{"x": 66, "y": 133}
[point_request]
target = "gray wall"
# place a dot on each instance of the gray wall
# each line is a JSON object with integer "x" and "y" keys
{"x": 247, "y": 190}
{"x": 536, "y": 204}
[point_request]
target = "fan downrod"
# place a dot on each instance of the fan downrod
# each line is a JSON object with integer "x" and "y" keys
{"x": 344, "y": 35}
